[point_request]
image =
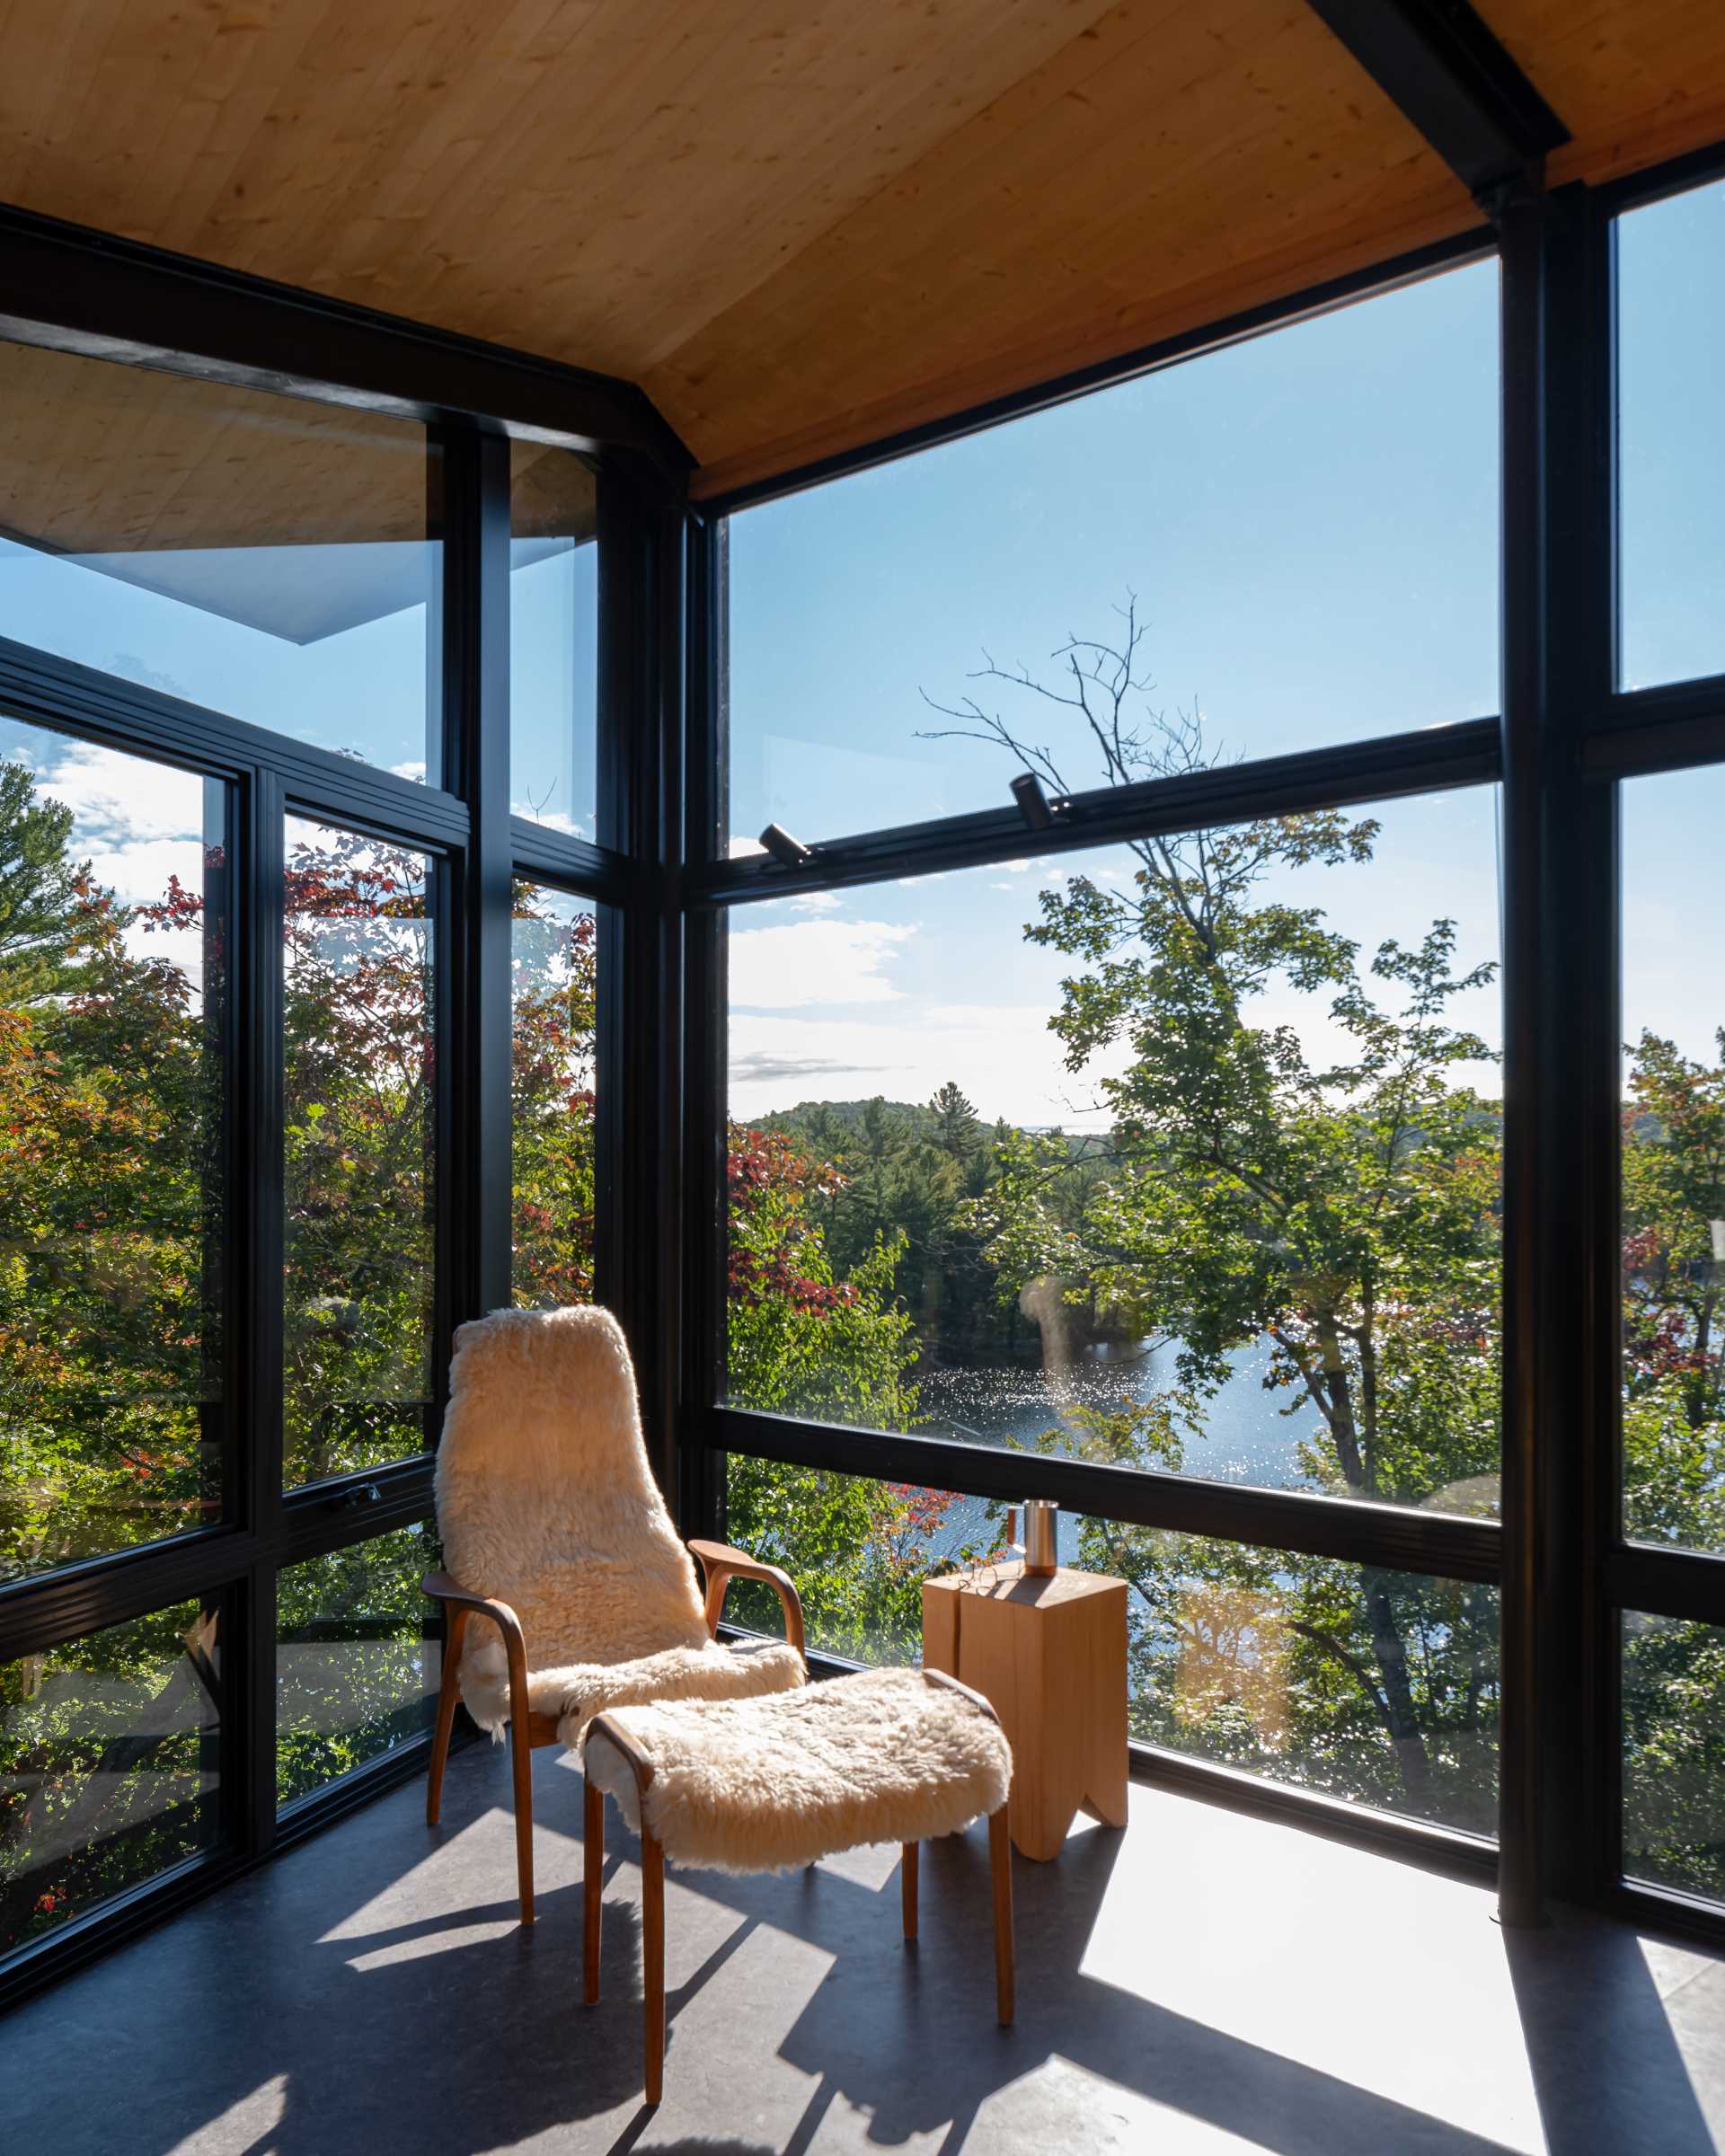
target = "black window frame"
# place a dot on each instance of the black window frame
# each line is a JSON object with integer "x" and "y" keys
{"x": 88, "y": 293}
{"x": 1564, "y": 737}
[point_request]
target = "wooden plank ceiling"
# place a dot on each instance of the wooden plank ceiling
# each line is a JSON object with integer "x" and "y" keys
{"x": 797, "y": 224}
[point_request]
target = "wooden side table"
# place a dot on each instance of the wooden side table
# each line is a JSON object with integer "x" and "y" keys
{"x": 1048, "y": 1654}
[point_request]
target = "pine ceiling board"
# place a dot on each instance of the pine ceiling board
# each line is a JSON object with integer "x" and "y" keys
{"x": 661, "y": 192}
{"x": 100, "y": 459}
{"x": 1170, "y": 148}
{"x": 1066, "y": 348}
{"x": 587, "y": 178}
{"x": 777, "y": 129}
{"x": 1634, "y": 81}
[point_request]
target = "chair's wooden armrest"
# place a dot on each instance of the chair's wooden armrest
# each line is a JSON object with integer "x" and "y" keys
{"x": 603, "y": 1725}
{"x": 722, "y": 1564}
{"x": 440, "y": 1588}
{"x": 948, "y": 1682}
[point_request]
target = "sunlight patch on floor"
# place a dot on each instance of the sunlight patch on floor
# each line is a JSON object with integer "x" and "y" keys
{"x": 247, "y": 2124}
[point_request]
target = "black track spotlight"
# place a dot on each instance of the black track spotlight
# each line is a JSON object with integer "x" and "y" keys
{"x": 790, "y": 852}
{"x": 1033, "y": 802}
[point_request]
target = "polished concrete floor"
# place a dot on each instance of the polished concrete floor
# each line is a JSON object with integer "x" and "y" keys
{"x": 1200, "y": 1983}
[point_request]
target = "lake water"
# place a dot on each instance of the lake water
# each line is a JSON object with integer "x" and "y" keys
{"x": 1245, "y": 1437}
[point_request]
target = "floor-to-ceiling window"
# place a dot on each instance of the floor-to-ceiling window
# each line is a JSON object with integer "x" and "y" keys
{"x": 1161, "y": 1139}
{"x": 1669, "y": 1627}
{"x": 250, "y": 945}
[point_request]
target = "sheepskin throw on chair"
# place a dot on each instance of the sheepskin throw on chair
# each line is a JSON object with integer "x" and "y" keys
{"x": 545, "y": 1501}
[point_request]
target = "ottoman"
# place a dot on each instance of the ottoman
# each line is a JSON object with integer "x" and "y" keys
{"x": 774, "y": 1783}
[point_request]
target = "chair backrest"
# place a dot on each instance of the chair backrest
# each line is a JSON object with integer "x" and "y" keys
{"x": 544, "y": 1496}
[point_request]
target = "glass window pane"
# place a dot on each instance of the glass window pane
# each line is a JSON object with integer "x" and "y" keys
{"x": 1380, "y": 1687}
{"x": 555, "y": 971}
{"x": 361, "y": 1173}
{"x": 553, "y": 638}
{"x": 266, "y": 556}
{"x": 1180, "y": 1156}
{"x": 1673, "y": 1164}
{"x": 1671, "y": 438}
{"x": 112, "y": 934}
{"x": 108, "y": 1765}
{"x": 357, "y": 1657}
{"x": 1673, "y": 1753}
{"x": 1306, "y": 526}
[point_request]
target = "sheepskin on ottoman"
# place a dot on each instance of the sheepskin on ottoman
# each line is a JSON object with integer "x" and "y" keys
{"x": 556, "y": 1534}
{"x": 772, "y": 1784}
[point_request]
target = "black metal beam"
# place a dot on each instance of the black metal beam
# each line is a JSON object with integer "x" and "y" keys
{"x": 1659, "y": 729}
{"x": 1439, "y": 62}
{"x": 1666, "y": 1583}
{"x": 574, "y": 865}
{"x": 77, "y": 290}
{"x": 70, "y": 698}
{"x": 1352, "y": 772}
{"x": 1398, "y": 1538}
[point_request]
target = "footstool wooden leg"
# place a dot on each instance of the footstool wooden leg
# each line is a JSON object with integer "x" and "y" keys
{"x": 908, "y": 1885}
{"x": 592, "y": 1878}
{"x": 1000, "y": 1859}
{"x": 521, "y": 1754}
{"x": 652, "y": 1960}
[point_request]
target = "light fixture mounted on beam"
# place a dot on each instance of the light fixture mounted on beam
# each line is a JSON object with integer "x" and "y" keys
{"x": 1033, "y": 804}
{"x": 788, "y": 852}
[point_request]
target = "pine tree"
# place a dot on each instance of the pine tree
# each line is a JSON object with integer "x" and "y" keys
{"x": 38, "y": 889}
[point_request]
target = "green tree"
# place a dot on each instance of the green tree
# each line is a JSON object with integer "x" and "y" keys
{"x": 39, "y": 888}
{"x": 554, "y": 1009}
{"x": 1674, "y": 1455}
{"x": 1341, "y": 1212}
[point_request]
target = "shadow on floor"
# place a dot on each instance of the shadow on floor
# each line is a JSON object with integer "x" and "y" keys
{"x": 1576, "y": 1983}
{"x": 274, "y": 2020}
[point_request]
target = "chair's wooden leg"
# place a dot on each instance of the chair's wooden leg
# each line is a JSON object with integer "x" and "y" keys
{"x": 907, "y": 1887}
{"x": 1000, "y": 1859}
{"x": 448, "y": 1692}
{"x": 653, "y": 1959}
{"x": 592, "y": 1874}
{"x": 521, "y": 1747}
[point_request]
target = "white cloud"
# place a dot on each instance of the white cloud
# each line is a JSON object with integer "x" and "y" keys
{"x": 819, "y": 901}
{"x": 138, "y": 873}
{"x": 741, "y": 848}
{"x": 1003, "y": 1056}
{"x": 121, "y": 799}
{"x": 815, "y": 962}
{"x": 553, "y": 820}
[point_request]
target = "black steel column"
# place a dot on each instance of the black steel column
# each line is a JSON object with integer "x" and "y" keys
{"x": 258, "y": 892}
{"x": 1579, "y": 1122}
{"x": 1556, "y": 927}
{"x": 473, "y": 1111}
{"x": 704, "y": 1143}
{"x": 1523, "y": 231}
{"x": 641, "y": 720}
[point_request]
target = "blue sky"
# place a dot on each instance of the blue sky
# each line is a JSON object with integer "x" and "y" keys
{"x": 1309, "y": 525}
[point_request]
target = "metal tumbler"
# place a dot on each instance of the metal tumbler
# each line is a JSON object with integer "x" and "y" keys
{"x": 1041, "y": 1550}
